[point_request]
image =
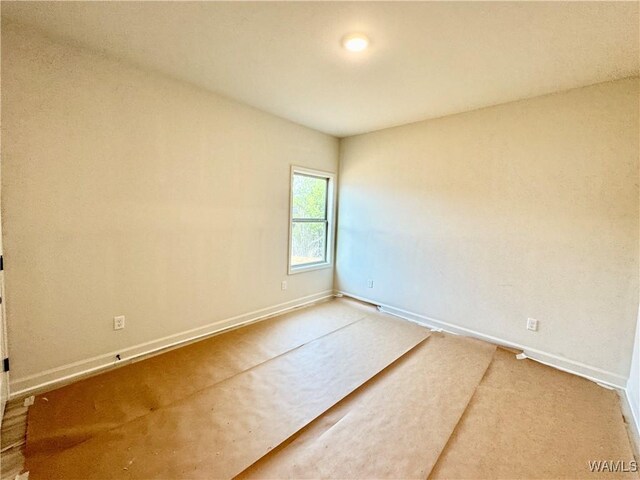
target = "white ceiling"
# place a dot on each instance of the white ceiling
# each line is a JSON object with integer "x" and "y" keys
{"x": 427, "y": 59}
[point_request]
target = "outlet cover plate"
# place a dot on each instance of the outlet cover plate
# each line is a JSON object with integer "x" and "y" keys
{"x": 118, "y": 322}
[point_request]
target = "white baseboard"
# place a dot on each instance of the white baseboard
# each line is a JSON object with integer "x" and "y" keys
{"x": 632, "y": 407}
{"x": 49, "y": 379}
{"x": 562, "y": 363}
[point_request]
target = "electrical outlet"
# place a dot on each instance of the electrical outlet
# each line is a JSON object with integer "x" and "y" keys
{"x": 369, "y": 283}
{"x": 532, "y": 324}
{"x": 118, "y": 322}
{"x": 283, "y": 285}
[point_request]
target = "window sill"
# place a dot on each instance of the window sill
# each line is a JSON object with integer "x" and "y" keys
{"x": 309, "y": 268}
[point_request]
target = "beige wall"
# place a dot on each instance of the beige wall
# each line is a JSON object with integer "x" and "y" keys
{"x": 128, "y": 193}
{"x": 633, "y": 384}
{"x": 528, "y": 209}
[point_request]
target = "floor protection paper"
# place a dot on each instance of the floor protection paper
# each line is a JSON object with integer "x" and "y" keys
{"x": 79, "y": 411}
{"x": 393, "y": 427}
{"x": 220, "y": 431}
{"x": 530, "y": 421}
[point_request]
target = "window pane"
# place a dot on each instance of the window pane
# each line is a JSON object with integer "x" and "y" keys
{"x": 309, "y": 197}
{"x": 308, "y": 242}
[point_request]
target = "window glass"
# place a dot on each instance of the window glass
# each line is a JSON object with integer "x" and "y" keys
{"x": 309, "y": 197}
{"x": 309, "y": 242}
{"x": 310, "y": 227}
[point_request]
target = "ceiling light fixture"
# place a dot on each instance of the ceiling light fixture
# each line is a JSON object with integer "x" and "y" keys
{"x": 355, "y": 42}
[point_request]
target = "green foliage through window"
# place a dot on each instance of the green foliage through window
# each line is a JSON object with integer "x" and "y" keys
{"x": 309, "y": 220}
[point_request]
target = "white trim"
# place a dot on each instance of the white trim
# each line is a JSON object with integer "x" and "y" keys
{"x": 331, "y": 215}
{"x": 635, "y": 414}
{"x": 589, "y": 372}
{"x": 5, "y": 377}
{"x": 50, "y": 378}
{"x": 309, "y": 267}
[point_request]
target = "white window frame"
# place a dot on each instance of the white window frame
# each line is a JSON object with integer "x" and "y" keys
{"x": 331, "y": 213}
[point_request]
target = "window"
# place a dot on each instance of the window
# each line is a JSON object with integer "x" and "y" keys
{"x": 311, "y": 229}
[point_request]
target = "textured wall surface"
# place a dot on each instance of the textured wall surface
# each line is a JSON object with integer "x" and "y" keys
{"x": 483, "y": 219}
{"x": 129, "y": 193}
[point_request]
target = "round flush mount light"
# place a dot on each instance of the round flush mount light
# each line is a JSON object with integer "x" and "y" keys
{"x": 355, "y": 42}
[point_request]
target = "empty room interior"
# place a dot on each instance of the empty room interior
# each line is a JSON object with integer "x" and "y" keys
{"x": 303, "y": 240}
